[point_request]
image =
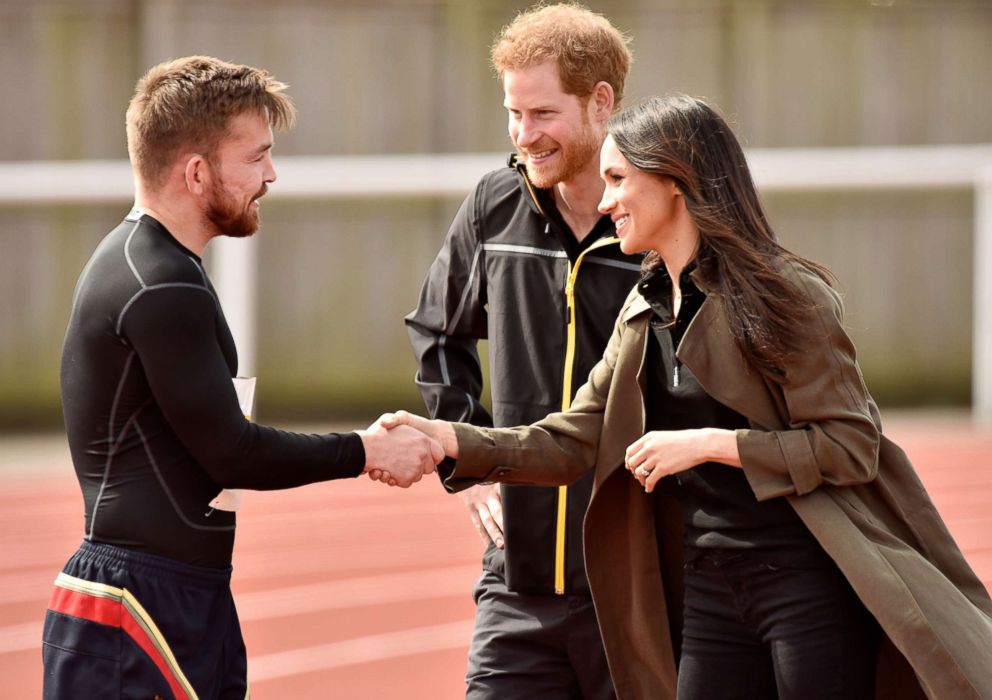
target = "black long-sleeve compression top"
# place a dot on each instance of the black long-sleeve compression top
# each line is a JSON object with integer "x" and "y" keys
{"x": 153, "y": 422}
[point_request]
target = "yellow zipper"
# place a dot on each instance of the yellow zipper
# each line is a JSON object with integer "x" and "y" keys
{"x": 566, "y": 401}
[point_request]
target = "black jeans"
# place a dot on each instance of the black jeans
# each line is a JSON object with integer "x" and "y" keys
{"x": 754, "y": 630}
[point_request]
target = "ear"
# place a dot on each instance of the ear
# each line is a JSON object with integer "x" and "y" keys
{"x": 197, "y": 174}
{"x": 601, "y": 102}
{"x": 678, "y": 197}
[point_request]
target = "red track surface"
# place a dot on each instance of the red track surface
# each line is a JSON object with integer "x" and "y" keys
{"x": 352, "y": 590}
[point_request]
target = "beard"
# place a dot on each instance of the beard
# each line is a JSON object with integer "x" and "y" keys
{"x": 230, "y": 218}
{"x": 574, "y": 158}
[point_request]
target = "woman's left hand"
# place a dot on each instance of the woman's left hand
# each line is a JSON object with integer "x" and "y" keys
{"x": 661, "y": 453}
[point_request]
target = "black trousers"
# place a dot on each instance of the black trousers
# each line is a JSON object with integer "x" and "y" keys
{"x": 754, "y": 630}
{"x": 530, "y": 647}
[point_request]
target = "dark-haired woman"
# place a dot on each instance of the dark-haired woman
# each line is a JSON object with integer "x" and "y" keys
{"x": 772, "y": 542}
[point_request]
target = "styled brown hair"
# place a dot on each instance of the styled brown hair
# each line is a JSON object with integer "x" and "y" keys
{"x": 585, "y": 45}
{"x": 739, "y": 255}
{"x": 188, "y": 102}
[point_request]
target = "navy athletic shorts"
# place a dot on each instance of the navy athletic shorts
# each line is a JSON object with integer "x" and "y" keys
{"x": 124, "y": 624}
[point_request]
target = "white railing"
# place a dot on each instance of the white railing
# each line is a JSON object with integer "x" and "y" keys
{"x": 981, "y": 365}
{"x": 348, "y": 177}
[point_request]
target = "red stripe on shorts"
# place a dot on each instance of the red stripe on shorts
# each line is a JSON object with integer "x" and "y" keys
{"x": 111, "y": 612}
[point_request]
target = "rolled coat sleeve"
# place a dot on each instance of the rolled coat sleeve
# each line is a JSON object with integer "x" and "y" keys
{"x": 831, "y": 436}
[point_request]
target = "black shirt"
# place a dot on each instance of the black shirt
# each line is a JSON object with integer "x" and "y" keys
{"x": 719, "y": 508}
{"x": 152, "y": 418}
{"x": 560, "y": 228}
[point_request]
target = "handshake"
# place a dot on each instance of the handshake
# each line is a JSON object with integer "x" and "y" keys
{"x": 401, "y": 447}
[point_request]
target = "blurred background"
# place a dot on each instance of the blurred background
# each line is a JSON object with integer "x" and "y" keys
{"x": 353, "y": 592}
{"x": 336, "y": 275}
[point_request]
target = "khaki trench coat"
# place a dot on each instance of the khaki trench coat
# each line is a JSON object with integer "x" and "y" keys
{"x": 816, "y": 441}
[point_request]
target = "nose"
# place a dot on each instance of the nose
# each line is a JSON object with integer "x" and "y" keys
{"x": 269, "y": 173}
{"x": 527, "y": 132}
{"x": 607, "y": 203}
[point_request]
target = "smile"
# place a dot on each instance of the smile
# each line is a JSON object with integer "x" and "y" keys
{"x": 541, "y": 155}
{"x": 621, "y": 222}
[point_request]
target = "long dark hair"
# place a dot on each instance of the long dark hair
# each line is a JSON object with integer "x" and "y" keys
{"x": 739, "y": 256}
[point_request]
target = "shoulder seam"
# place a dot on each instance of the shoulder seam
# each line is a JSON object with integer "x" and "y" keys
{"x": 199, "y": 268}
{"x": 156, "y": 287}
{"x": 127, "y": 254}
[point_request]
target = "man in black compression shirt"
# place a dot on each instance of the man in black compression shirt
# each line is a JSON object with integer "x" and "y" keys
{"x": 143, "y": 609}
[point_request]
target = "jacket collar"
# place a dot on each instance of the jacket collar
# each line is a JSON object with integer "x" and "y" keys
{"x": 639, "y": 305}
{"x": 535, "y": 204}
{"x": 700, "y": 281}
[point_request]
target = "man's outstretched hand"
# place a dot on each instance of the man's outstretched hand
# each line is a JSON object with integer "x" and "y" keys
{"x": 440, "y": 430}
{"x": 440, "y": 433}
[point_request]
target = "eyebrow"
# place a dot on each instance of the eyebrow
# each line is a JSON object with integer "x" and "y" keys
{"x": 538, "y": 108}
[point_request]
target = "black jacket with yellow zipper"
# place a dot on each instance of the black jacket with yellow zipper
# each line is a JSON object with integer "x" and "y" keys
{"x": 510, "y": 272}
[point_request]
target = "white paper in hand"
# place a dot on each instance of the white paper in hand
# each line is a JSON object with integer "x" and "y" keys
{"x": 227, "y": 499}
{"x": 230, "y": 499}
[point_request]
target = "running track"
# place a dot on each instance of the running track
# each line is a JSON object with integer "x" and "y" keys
{"x": 353, "y": 590}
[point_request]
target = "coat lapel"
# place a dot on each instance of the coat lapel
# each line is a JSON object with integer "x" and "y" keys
{"x": 625, "y": 408}
{"x": 709, "y": 351}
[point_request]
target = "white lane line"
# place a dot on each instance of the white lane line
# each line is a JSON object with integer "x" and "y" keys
{"x": 354, "y": 557}
{"x": 425, "y": 584}
{"x": 27, "y": 586}
{"x": 20, "y": 637}
{"x": 35, "y": 584}
{"x": 309, "y": 514}
{"x": 356, "y": 592}
{"x": 378, "y": 647}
